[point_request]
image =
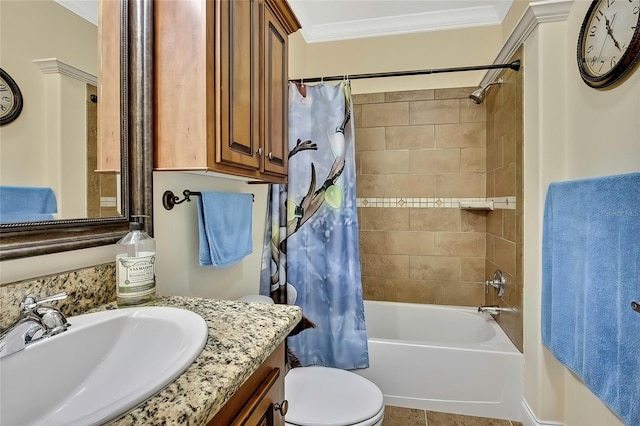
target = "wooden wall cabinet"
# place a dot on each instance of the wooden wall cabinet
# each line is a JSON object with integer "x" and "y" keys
{"x": 109, "y": 88}
{"x": 221, "y": 86}
{"x": 260, "y": 400}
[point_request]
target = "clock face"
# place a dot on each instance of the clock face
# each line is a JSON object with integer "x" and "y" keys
{"x": 7, "y": 100}
{"x": 10, "y": 99}
{"x": 609, "y": 41}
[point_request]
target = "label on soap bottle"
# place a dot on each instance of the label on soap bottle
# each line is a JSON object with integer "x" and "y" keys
{"x": 136, "y": 275}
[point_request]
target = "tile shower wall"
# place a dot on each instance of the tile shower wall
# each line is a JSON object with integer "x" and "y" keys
{"x": 421, "y": 151}
{"x": 102, "y": 191}
{"x": 504, "y": 178}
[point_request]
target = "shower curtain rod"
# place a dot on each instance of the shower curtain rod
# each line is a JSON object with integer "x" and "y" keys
{"x": 515, "y": 65}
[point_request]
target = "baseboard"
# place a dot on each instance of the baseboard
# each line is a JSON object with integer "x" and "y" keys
{"x": 530, "y": 419}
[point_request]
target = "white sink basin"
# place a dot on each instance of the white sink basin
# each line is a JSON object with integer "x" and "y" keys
{"x": 105, "y": 364}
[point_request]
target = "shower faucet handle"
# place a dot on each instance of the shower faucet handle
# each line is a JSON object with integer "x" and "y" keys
{"x": 498, "y": 282}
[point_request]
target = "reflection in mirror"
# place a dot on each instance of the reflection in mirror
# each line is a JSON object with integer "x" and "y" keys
{"x": 120, "y": 41}
{"x": 49, "y": 154}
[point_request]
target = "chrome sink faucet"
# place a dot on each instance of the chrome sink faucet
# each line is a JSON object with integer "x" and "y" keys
{"x": 34, "y": 323}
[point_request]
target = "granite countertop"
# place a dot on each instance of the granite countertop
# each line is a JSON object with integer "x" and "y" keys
{"x": 241, "y": 336}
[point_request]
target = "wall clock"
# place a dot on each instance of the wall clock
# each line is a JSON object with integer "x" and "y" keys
{"x": 10, "y": 99}
{"x": 609, "y": 41}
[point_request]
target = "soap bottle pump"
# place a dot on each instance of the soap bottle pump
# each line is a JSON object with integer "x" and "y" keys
{"x": 136, "y": 267}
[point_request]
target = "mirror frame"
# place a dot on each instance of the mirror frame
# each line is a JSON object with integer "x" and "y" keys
{"x": 37, "y": 238}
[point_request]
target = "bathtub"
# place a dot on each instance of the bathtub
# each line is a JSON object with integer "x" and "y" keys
{"x": 443, "y": 358}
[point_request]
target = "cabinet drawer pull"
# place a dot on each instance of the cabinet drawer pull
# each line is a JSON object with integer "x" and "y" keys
{"x": 259, "y": 151}
{"x": 270, "y": 156}
{"x": 283, "y": 408}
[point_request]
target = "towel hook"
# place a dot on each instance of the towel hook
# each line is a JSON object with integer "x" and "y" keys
{"x": 635, "y": 306}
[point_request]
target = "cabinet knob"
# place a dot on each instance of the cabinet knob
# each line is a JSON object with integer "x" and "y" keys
{"x": 259, "y": 151}
{"x": 283, "y": 408}
{"x": 270, "y": 156}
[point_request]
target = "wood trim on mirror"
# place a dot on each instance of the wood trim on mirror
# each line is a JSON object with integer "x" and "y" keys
{"x": 20, "y": 240}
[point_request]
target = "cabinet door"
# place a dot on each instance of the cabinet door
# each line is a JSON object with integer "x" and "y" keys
{"x": 274, "y": 92}
{"x": 259, "y": 410}
{"x": 109, "y": 91}
{"x": 239, "y": 127}
{"x": 255, "y": 402}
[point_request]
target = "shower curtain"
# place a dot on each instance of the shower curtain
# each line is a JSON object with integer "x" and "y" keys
{"x": 311, "y": 255}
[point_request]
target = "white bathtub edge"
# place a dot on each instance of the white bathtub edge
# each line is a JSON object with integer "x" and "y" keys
{"x": 530, "y": 419}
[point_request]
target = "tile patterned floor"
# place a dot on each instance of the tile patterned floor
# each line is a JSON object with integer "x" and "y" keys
{"x": 397, "y": 416}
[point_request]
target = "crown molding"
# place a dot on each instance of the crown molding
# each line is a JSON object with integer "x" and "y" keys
{"x": 537, "y": 13}
{"x": 401, "y": 24}
{"x": 54, "y": 66}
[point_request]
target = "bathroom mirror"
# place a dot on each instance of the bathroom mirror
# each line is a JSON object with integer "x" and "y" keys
{"x": 134, "y": 62}
{"x": 48, "y": 156}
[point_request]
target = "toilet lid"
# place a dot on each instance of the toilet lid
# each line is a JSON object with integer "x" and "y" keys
{"x": 329, "y": 396}
{"x": 256, "y": 298}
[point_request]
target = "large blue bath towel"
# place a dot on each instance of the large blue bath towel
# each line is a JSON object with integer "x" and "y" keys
{"x": 26, "y": 204}
{"x": 224, "y": 224}
{"x": 591, "y": 274}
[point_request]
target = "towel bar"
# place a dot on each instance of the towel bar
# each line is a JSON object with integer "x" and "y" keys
{"x": 169, "y": 199}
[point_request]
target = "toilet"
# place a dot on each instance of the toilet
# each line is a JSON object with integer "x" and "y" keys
{"x": 324, "y": 396}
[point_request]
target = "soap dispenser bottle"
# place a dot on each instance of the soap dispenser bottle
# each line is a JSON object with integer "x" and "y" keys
{"x": 136, "y": 267}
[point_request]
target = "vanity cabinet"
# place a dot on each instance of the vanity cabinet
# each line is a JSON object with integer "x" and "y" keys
{"x": 260, "y": 400}
{"x": 221, "y": 89}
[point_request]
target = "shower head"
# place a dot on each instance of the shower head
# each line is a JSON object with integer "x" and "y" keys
{"x": 478, "y": 95}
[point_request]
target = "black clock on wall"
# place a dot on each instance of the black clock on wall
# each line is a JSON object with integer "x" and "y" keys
{"x": 10, "y": 99}
{"x": 609, "y": 41}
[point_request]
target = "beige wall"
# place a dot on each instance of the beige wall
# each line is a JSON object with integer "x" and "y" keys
{"x": 571, "y": 131}
{"x": 412, "y": 145}
{"x": 176, "y": 234}
{"x": 504, "y": 179}
{"x": 38, "y": 266}
{"x": 32, "y": 30}
{"x": 518, "y": 7}
{"x": 438, "y": 49}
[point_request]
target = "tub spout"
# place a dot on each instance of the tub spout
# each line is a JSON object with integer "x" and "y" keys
{"x": 491, "y": 309}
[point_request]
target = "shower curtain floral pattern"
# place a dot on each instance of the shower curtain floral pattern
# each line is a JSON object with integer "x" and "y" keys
{"x": 311, "y": 255}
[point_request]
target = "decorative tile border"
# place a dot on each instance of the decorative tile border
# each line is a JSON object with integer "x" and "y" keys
{"x": 108, "y": 202}
{"x": 508, "y": 203}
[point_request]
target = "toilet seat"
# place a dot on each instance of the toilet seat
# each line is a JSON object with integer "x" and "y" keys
{"x": 323, "y": 396}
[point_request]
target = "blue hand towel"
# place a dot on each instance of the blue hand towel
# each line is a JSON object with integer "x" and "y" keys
{"x": 26, "y": 204}
{"x": 590, "y": 276}
{"x": 21, "y": 217}
{"x": 224, "y": 223}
